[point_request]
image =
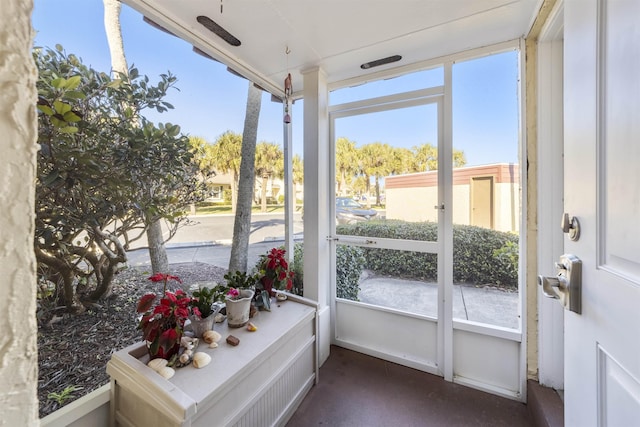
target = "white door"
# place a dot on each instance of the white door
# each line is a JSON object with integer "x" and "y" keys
{"x": 602, "y": 189}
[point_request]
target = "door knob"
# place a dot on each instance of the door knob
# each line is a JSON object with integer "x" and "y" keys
{"x": 571, "y": 225}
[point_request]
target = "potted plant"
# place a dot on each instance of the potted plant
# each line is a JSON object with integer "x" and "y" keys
{"x": 162, "y": 325}
{"x": 273, "y": 273}
{"x": 203, "y": 310}
{"x": 238, "y": 299}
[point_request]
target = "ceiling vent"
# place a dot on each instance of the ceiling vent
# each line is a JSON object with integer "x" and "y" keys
{"x": 218, "y": 30}
{"x": 379, "y": 62}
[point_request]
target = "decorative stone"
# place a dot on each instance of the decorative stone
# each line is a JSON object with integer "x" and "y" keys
{"x": 231, "y": 340}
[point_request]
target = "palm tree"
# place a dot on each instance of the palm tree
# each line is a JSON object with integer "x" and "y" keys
{"x": 298, "y": 176}
{"x": 227, "y": 154}
{"x": 375, "y": 161}
{"x": 426, "y": 158}
{"x": 269, "y": 163}
{"x": 346, "y": 161}
{"x": 242, "y": 223}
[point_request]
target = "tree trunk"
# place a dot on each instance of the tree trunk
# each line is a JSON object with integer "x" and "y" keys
{"x": 263, "y": 195}
{"x": 242, "y": 223}
{"x": 234, "y": 190}
{"x": 157, "y": 251}
{"x": 114, "y": 36}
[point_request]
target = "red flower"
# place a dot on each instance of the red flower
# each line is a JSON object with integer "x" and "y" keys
{"x": 160, "y": 277}
{"x": 162, "y": 325}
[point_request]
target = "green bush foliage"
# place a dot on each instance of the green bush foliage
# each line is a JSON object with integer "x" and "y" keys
{"x": 480, "y": 255}
{"x": 350, "y": 263}
{"x": 105, "y": 172}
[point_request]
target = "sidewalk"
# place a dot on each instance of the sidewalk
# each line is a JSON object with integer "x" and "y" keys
{"x": 478, "y": 304}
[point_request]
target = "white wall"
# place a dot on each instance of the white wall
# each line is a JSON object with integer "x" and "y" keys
{"x": 19, "y": 353}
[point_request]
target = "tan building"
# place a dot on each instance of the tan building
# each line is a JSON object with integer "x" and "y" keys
{"x": 486, "y": 196}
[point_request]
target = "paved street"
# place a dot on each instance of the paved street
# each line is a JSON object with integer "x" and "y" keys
{"x": 210, "y": 229}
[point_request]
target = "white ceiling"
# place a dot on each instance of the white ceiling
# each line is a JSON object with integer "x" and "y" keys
{"x": 337, "y": 35}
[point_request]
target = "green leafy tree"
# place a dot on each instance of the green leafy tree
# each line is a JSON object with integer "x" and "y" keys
{"x": 346, "y": 164}
{"x": 297, "y": 167}
{"x": 226, "y": 156}
{"x": 104, "y": 172}
{"x": 269, "y": 163}
{"x": 426, "y": 158}
{"x": 375, "y": 161}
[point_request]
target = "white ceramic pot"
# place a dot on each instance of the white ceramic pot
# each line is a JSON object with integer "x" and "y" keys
{"x": 238, "y": 309}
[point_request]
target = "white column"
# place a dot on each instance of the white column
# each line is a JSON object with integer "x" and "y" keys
{"x": 317, "y": 252}
{"x": 19, "y": 354}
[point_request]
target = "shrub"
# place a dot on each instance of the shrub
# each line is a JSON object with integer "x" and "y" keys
{"x": 350, "y": 262}
{"x": 349, "y": 265}
{"x": 480, "y": 255}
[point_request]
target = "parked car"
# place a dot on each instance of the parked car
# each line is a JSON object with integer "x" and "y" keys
{"x": 349, "y": 211}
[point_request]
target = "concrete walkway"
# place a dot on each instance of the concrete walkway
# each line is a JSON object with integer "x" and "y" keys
{"x": 478, "y": 304}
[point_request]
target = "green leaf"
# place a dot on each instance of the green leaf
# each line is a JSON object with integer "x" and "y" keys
{"x": 50, "y": 177}
{"x": 73, "y": 82}
{"x": 46, "y": 109}
{"x": 70, "y": 116}
{"x": 68, "y": 129}
{"x": 61, "y": 107}
{"x": 58, "y": 83}
{"x": 75, "y": 94}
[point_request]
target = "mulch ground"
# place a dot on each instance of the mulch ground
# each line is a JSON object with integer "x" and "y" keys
{"x": 73, "y": 350}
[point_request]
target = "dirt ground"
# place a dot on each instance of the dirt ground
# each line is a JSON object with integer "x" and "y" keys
{"x": 73, "y": 350}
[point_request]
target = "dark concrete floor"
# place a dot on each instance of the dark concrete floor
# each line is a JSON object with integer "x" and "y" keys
{"x": 359, "y": 390}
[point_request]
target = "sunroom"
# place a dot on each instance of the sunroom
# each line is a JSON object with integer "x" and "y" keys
{"x": 571, "y": 75}
{"x": 426, "y": 47}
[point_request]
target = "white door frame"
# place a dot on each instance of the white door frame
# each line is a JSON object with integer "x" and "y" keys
{"x": 550, "y": 195}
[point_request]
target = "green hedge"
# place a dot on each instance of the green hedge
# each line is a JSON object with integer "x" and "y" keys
{"x": 480, "y": 255}
{"x": 350, "y": 263}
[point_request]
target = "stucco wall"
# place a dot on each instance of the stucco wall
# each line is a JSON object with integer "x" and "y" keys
{"x": 417, "y": 204}
{"x": 18, "y": 351}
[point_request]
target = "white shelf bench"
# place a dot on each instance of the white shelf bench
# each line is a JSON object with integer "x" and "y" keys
{"x": 261, "y": 382}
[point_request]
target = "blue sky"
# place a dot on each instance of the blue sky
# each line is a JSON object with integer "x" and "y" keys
{"x": 211, "y": 101}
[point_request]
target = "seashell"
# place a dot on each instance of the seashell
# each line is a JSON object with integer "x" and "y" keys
{"x": 157, "y": 364}
{"x": 251, "y": 327}
{"x": 167, "y": 372}
{"x": 188, "y": 352}
{"x": 200, "y": 359}
{"x": 281, "y": 297}
{"x": 211, "y": 336}
{"x": 219, "y": 318}
{"x": 185, "y": 358}
{"x": 213, "y": 345}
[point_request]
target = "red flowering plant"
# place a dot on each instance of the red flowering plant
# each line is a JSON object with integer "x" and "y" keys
{"x": 162, "y": 325}
{"x": 273, "y": 273}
